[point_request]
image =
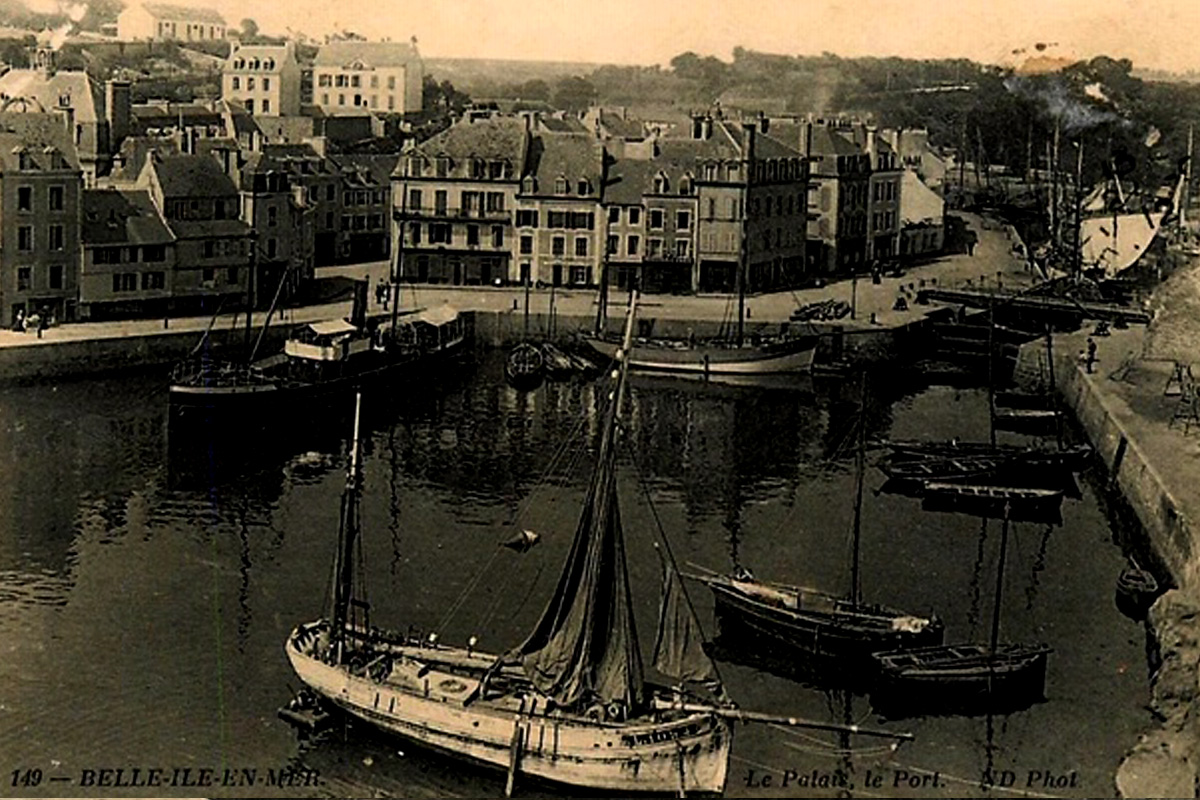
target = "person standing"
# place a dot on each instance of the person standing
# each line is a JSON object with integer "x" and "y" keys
{"x": 1091, "y": 353}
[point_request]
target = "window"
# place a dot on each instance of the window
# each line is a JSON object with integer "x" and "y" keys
{"x": 635, "y": 216}
{"x": 391, "y": 81}
{"x": 439, "y": 201}
{"x": 324, "y": 81}
{"x": 207, "y": 277}
{"x": 374, "y": 81}
{"x": 250, "y": 105}
{"x": 556, "y": 219}
{"x": 391, "y": 102}
{"x": 266, "y": 106}
{"x": 231, "y": 274}
{"x": 153, "y": 280}
{"x": 210, "y": 248}
{"x": 237, "y": 84}
{"x": 683, "y": 220}
{"x": 681, "y": 248}
{"x": 527, "y": 218}
{"x": 56, "y": 198}
{"x": 324, "y": 98}
{"x": 526, "y": 245}
{"x": 472, "y": 235}
{"x": 439, "y": 233}
{"x": 266, "y": 87}
{"x": 25, "y": 238}
{"x": 414, "y": 199}
{"x": 347, "y": 198}
{"x": 653, "y": 248}
{"x": 272, "y": 216}
{"x": 631, "y": 245}
{"x": 560, "y": 185}
{"x": 581, "y": 246}
{"x": 614, "y": 245}
{"x": 656, "y": 219}
{"x": 354, "y": 81}
{"x": 558, "y": 245}
{"x": 154, "y": 252}
{"x": 24, "y": 279}
{"x": 374, "y": 101}
{"x": 24, "y": 198}
{"x": 614, "y": 215}
{"x": 495, "y": 201}
{"x": 56, "y": 237}
{"x": 341, "y": 99}
{"x": 347, "y": 222}
{"x": 416, "y": 233}
{"x": 497, "y": 236}
{"x": 340, "y": 81}
{"x": 250, "y": 84}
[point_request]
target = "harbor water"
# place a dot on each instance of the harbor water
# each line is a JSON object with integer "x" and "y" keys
{"x": 151, "y": 568}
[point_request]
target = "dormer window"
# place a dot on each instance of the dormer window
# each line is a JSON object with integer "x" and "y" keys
{"x": 478, "y": 170}
{"x": 710, "y": 172}
{"x": 415, "y": 166}
{"x": 560, "y": 185}
{"x": 529, "y": 185}
{"x": 496, "y": 170}
{"x": 443, "y": 166}
{"x": 685, "y": 185}
{"x": 584, "y": 187}
{"x": 661, "y": 184}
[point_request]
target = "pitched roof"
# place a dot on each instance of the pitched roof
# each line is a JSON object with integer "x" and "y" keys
{"x": 191, "y": 176}
{"x": 620, "y": 127}
{"x": 134, "y": 150}
{"x": 573, "y": 156}
{"x": 828, "y": 142}
{"x": 766, "y": 146}
{"x": 563, "y": 125}
{"x": 206, "y": 228}
{"x": 279, "y": 53}
{"x": 369, "y": 54}
{"x": 40, "y": 137}
{"x": 112, "y": 216}
{"x": 491, "y": 138}
{"x": 190, "y": 13}
{"x": 72, "y": 89}
{"x": 377, "y": 169}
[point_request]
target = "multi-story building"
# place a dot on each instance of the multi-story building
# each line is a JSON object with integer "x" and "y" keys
{"x": 364, "y": 232}
{"x": 97, "y": 116}
{"x": 922, "y": 217}
{"x": 264, "y": 79}
{"x": 161, "y": 22}
{"x": 625, "y": 219}
{"x": 838, "y": 201}
{"x": 128, "y": 263}
{"x": 201, "y": 206}
{"x": 883, "y": 205}
{"x": 40, "y": 185}
{"x": 352, "y": 76}
{"x": 453, "y": 199}
{"x": 559, "y": 224}
{"x": 277, "y": 204}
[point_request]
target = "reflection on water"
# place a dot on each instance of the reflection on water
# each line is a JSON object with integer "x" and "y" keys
{"x": 150, "y": 570}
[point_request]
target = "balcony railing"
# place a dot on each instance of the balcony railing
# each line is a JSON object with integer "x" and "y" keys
{"x": 436, "y": 212}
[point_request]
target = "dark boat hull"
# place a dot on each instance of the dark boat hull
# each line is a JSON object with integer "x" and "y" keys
{"x": 960, "y": 679}
{"x": 788, "y": 356}
{"x": 838, "y": 638}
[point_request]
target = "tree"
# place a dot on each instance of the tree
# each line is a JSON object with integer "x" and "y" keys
{"x": 574, "y": 94}
{"x": 534, "y": 90}
{"x": 249, "y": 28}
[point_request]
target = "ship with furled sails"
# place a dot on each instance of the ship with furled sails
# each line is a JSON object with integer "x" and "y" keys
{"x": 570, "y": 704}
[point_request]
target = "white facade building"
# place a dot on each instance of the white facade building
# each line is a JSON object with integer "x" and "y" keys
{"x": 162, "y": 22}
{"x": 368, "y": 76}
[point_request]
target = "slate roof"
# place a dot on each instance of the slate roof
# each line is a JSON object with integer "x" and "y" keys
{"x": 174, "y": 115}
{"x": 134, "y": 150}
{"x": 189, "y": 13}
{"x": 40, "y": 142}
{"x": 376, "y": 168}
{"x": 622, "y": 128}
{"x": 370, "y": 54}
{"x": 192, "y": 176}
{"x": 564, "y": 125}
{"x": 112, "y": 216}
{"x": 491, "y": 138}
{"x": 826, "y": 142}
{"x": 77, "y": 90}
{"x": 574, "y": 156}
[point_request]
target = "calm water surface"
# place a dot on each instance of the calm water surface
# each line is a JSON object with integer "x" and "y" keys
{"x": 150, "y": 571}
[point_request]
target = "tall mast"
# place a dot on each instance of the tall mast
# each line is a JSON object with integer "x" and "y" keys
{"x": 859, "y": 469}
{"x": 1079, "y": 207}
{"x": 739, "y": 277}
{"x": 347, "y": 537}
{"x": 398, "y": 258}
{"x": 602, "y": 300}
{"x": 991, "y": 369}
{"x": 1056, "y": 220}
{"x": 999, "y": 582}
{"x": 1058, "y": 437}
{"x": 1187, "y": 181}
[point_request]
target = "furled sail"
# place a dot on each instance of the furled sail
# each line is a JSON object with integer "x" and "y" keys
{"x": 584, "y": 649}
{"x": 679, "y": 648}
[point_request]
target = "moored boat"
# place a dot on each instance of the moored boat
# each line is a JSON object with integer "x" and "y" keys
{"x": 783, "y": 355}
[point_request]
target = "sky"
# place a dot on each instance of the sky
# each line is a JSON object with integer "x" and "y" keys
{"x": 1158, "y": 35}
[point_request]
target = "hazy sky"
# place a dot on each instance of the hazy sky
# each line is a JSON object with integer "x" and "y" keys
{"x": 1161, "y": 34}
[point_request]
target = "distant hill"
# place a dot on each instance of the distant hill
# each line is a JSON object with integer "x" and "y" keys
{"x": 479, "y": 75}
{"x": 1164, "y": 76}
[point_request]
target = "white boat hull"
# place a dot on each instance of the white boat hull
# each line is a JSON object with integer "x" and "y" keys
{"x": 425, "y": 704}
{"x": 714, "y": 360}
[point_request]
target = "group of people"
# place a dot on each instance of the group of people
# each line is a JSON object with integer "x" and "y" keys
{"x": 383, "y": 294}
{"x": 36, "y": 321}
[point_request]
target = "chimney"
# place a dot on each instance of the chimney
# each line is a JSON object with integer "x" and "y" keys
{"x": 764, "y": 124}
{"x": 118, "y": 107}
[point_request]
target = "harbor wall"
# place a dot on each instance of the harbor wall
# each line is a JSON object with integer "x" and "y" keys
{"x": 69, "y": 358}
{"x": 1164, "y": 760}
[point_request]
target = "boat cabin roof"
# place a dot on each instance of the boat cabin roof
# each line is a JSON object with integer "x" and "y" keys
{"x": 439, "y": 315}
{"x": 331, "y": 327}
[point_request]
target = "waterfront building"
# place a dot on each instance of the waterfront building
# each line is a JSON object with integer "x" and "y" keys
{"x": 40, "y": 185}
{"x": 201, "y": 206}
{"x": 838, "y": 202}
{"x": 922, "y": 217}
{"x": 884, "y": 197}
{"x": 263, "y": 79}
{"x": 559, "y": 221}
{"x": 453, "y": 199}
{"x": 368, "y": 76}
{"x": 278, "y": 203}
{"x": 128, "y": 262}
{"x": 166, "y": 22}
{"x": 364, "y": 231}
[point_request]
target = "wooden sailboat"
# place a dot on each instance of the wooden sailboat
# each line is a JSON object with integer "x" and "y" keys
{"x": 966, "y": 678}
{"x": 525, "y": 361}
{"x": 569, "y": 704}
{"x": 825, "y": 629}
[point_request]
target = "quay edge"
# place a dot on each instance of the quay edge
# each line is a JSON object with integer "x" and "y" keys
{"x": 1164, "y": 761}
